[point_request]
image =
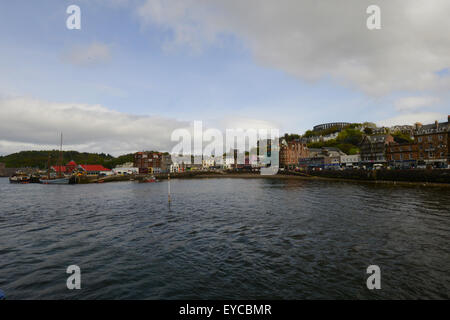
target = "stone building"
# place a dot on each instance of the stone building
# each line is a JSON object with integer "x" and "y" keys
{"x": 433, "y": 143}
{"x": 403, "y": 155}
{"x": 152, "y": 162}
{"x": 373, "y": 148}
{"x": 291, "y": 152}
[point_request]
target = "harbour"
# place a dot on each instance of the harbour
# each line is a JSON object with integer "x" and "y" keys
{"x": 224, "y": 238}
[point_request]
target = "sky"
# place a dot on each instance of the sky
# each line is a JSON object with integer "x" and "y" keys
{"x": 139, "y": 69}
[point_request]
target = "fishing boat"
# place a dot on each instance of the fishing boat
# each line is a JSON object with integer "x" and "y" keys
{"x": 20, "y": 178}
{"x": 59, "y": 179}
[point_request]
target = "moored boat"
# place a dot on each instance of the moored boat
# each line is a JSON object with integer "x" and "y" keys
{"x": 148, "y": 180}
{"x": 60, "y": 178}
{"x": 20, "y": 179}
{"x": 55, "y": 181}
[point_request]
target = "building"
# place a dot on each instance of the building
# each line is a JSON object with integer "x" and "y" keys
{"x": 178, "y": 164}
{"x": 403, "y": 155}
{"x": 330, "y": 136}
{"x": 152, "y": 162}
{"x": 373, "y": 148}
{"x": 125, "y": 169}
{"x": 350, "y": 160}
{"x": 291, "y": 152}
{"x": 324, "y": 126}
{"x": 322, "y": 158}
{"x": 208, "y": 162}
{"x": 94, "y": 169}
{"x": 332, "y": 157}
{"x": 380, "y": 130}
{"x": 433, "y": 143}
{"x": 89, "y": 169}
{"x": 405, "y": 129}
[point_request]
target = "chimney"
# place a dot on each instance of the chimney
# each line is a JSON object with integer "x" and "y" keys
{"x": 448, "y": 118}
{"x": 436, "y": 124}
{"x": 418, "y": 125}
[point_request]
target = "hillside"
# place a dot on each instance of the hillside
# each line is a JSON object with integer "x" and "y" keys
{"x": 348, "y": 139}
{"x": 39, "y": 159}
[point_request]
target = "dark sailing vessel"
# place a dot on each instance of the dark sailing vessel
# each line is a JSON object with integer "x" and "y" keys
{"x": 59, "y": 179}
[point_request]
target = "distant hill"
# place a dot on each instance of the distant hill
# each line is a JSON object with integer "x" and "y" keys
{"x": 39, "y": 159}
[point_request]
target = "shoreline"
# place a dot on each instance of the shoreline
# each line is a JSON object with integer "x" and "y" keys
{"x": 216, "y": 175}
{"x": 310, "y": 178}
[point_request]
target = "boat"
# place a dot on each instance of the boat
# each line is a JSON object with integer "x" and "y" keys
{"x": 20, "y": 178}
{"x": 60, "y": 178}
{"x": 54, "y": 181}
{"x": 149, "y": 180}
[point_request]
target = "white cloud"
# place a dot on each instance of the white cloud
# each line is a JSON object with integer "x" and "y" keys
{"x": 411, "y": 118}
{"x": 414, "y": 103}
{"x": 315, "y": 39}
{"x": 87, "y": 55}
{"x": 34, "y": 124}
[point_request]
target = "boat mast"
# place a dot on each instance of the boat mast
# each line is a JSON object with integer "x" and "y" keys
{"x": 48, "y": 167}
{"x": 60, "y": 157}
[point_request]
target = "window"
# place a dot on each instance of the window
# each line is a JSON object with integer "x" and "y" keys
{"x": 441, "y": 137}
{"x": 430, "y": 138}
{"x": 420, "y": 139}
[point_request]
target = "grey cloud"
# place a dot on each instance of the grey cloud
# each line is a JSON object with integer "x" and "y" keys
{"x": 34, "y": 124}
{"x": 315, "y": 39}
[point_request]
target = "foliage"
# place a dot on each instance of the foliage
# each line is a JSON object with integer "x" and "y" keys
{"x": 291, "y": 137}
{"x": 39, "y": 159}
{"x": 347, "y": 141}
{"x": 402, "y": 138}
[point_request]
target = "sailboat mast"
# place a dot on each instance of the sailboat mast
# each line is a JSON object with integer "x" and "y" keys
{"x": 60, "y": 157}
{"x": 48, "y": 167}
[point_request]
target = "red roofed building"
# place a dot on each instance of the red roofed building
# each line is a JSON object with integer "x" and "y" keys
{"x": 90, "y": 169}
{"x": 71, "y": 166}
{"x": 94, "y": 169}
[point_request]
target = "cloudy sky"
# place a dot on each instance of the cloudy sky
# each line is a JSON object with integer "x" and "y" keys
{"x": 139, "y": 69}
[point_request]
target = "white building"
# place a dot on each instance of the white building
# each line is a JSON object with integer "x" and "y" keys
{"x": 208, "y": 162}
{"x": 350, "y": 160}
{"x": 125, "y": 170}
{"x": 330, "y": 136}
{"x": 175, "y": 167}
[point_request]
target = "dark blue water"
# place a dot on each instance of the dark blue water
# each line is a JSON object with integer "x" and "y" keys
{"x": 224, "y": 239}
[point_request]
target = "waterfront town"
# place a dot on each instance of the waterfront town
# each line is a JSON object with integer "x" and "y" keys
{"x": 329, "y": 146}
